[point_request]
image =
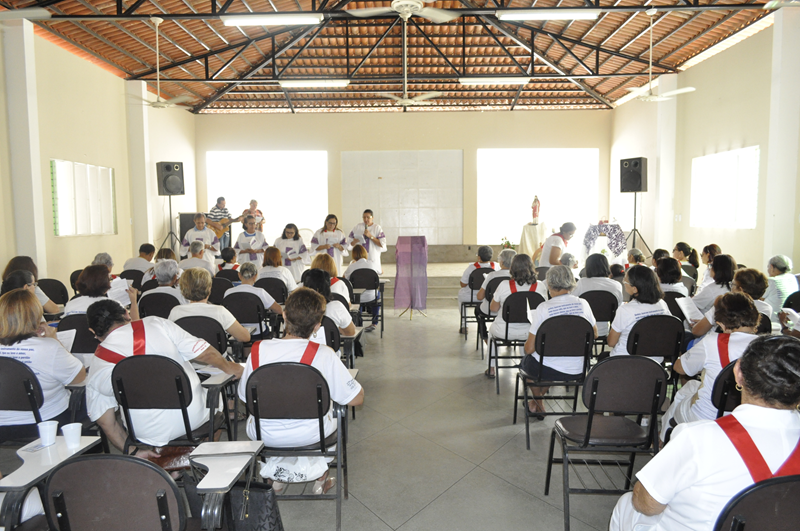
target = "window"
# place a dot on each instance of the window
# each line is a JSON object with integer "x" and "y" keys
{"x": 729, "y": 178}
{"x": 83, "y": 199}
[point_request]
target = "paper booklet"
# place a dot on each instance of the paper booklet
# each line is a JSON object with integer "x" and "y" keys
{"x": 689, "y": 309}
{"x": 794, "y": 317}
{"x": 67, "y": 337}
{"x": 118, "y": 293}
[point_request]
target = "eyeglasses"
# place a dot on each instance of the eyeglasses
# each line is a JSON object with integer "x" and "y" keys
{"x": 34, "y": 284}
{"x": 626, "y": 282}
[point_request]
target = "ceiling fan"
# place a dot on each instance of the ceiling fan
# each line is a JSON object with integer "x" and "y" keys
{"x": 405, "y": 101}
{"x": 649, "y": 96}
{"x": 159, "y": 103}
{"x": 408, "y": 8}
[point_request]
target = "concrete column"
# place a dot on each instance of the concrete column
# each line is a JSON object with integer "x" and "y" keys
{"x": 23, "y": 140}
{"x": 784, "y": 136}
{"x": 141, "y": 186}
{"x": 664, "y": 184}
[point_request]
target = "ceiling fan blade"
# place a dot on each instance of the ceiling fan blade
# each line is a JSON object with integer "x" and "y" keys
{"x": 676, "y": 92}
{"x": 30, "y": 13}
{"x": 439, "y": 16}
{"x": 179, "y": 99}
{"x": 427, "y": 96}
{"x": 778, "y": 4}
{"x": 371, "y": 11}
{"x": 651, "y": 98}
{"x": 392, "y": 96}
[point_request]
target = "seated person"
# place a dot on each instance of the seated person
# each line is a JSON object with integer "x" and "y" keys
{"x": 272, "y": 268}
{"x": 568, "y": 260}
{"x": 19, "y": 279}
{"x": 93, "y": 284}
{"x": 688, "y": 483}
{"x": 738, "y": 318}
{"x": 647, "y": 299}
{"x": 326, "y": 263}
{"x": 361, "y": 261}
{"x": 686, "y": 255}
{"x": 197, "y": 251}
{"x": 303, "y": 313}
{"x": 162, "y": 254}
{"x": 523, "y": 278}
{"x": 658, "y": 254}
{"x": 722, "y": 269}
{"x": 320, "y": 282}
{"x": 504, "y": 259}
{"x": 228, "y": 255}
{"x": 598, "y": 278}
{"x": 112, "y": 325}
{"x": 248, "y": 274}
{"x": 707, "y": 257}
{"x": 635, "y": 257}
{"x": 669, "y": 274}
{"x": 141, "y": 262}
{"x": 195, "y": 284}
{"x": 484, "y": 261}
{"x": 560, "y": 284}
{"x": 26, "y": 263}
{"x": 24, "y": 337}
{"x": 782, "y": 283}
{"x": 750, "y": 281}
{"x": 167, "y": 277}
{"x": 105, "y": 260}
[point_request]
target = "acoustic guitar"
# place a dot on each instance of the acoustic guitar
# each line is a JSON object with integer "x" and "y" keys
{"x": 225, "y": 222}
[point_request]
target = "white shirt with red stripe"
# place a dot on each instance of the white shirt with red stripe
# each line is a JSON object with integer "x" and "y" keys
{"x": 555, "y": 240}
{"x": 343, "y": 389}
{"x": 337, "y": 286}
{"x": 488, "y": 278}
{"x": 228, "y": 266}
{"x": 153, "y": 336}
{"x": 464, "y": 293}
{"x": 503, "y": 291}
{"x": 566, "y": 304}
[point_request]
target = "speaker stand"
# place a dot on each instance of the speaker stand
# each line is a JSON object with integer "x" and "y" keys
{"x": 172, "y": 237}
{"x": 635, "y": 232}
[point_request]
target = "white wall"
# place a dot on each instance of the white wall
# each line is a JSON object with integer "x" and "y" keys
{"x": 7, "y": 239}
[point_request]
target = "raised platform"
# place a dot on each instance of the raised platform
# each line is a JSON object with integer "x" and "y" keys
{"x": 443, "y": 283}
{"x": 445, "y": 254}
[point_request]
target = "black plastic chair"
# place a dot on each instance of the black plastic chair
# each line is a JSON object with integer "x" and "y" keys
{"x": 86, "y": 492}
{"x": 658, "y": 336}
{"x": 158, "y": 382}
{"x": 219, "y": 286}
{"x": 619, "y": 385}
{"x": 20, "y": 390}
{"x": 764, "y": 325}
{"x": 135, "y": 275}
{"x": 275, "y": 287}
{"x": 474, "y": 284}
{"x": 691, "y": 285}
{"x": 55, "y": 290}
{"x": 332, "y": 335}
{"x": 690, "y": 270}
{"x": 557, "y": 337}
{"x": 206, "y": 328}
{"x": 482, "y": 318}
{"x": 150, "y": 284}
{"x": 157, "y": 304}
{"x": 541, "y": 273}
{"x": 349, "y": 289}
{"x": 604, "y": 308}
{"x": 230, "y": 274}
{"x": 295, "y": 391}
{"x": 770, "y": 504}
{"x": 246, "y": 308}
{"x": 793, "y": 301}
{"x": 670, "y": 297}
{"x": 304, "y": 275}
{"x": 84, "y": 342}
{"x": 514, "y": 310}
{"x": 73, "y": 279}
{"x": 369, "y": 280}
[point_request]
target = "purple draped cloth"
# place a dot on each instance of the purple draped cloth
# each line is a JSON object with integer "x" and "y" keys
{"x": 411, "y": 280}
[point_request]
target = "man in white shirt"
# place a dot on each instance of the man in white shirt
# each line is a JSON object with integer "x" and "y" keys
{"x": 371, "y": 236}
{"x": 167, "y": 277}
{"x": 196, "y": 259}
{"x": 141, "y": 262}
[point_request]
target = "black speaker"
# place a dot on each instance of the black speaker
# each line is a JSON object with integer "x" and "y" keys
{"x": 170, "y": 178}
{"x": 633, "y": 175}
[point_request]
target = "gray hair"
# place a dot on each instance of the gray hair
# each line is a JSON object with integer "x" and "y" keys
{"x": 165, "y": 270}
{"x": 781, "y": 262}
{"x": 248, "y": 270}
{"x": 197, "y": 247}
{"x": 638, "y": 256}
{"x": 568, "y": 260}
{"x": 505, "y": 257}
{"x": 560, "y": 277}
{"x": 485, "y": 253}
{"x": 103, "y": 259}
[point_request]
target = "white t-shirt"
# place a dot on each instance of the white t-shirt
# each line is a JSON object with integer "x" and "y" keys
{"x": 515, "y": 330}
{"x": 255, "y": 241}
{"x": 53, "y": 366}
{"x": 81, "y": 304}
{"x": 373, "y": 251}
{"x": 169, "y": 290}
{"x": 281, "y": 273}
{"x": 554, "y": 240}
{"x": 219, "y": 313}
{"x": 586, "y": 285}
{"x": 706, "y": 280}
{"x": 705, "y": 298}
{"x": 325, "y": 237}
{"x": 338, "y": 314}
{"x": 778, "y": 290}
{"x": 628, "y": 315}
{"x": 155, "y": 427}
{"x": 207, "y": 236}
{"x": 562, "y": 305}
{"x": 494, "y": 274}
{"x": 678, "y": 287}
{"x": 137, "y": 264}
{"x": 292, "y": 249}
{"x": 41, "y": 297}
{"x": 337, "y": 286}
{"x": 197, "y": 262}
{"x": 343, "y": 389}
{"x": 467, "y": 295}
{"x": 363, "y": 263}
{"x": 699, "y": 471}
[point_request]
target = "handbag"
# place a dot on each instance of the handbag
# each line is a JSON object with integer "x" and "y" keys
{"x": 254, "y": 507}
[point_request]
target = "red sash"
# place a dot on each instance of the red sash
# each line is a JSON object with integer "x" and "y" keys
{"x": 513, "y": 285}
{"x": 562, "y": 238}
{"x": 491, "y": 264}
{"x": 139, "y": 343}
{"x": 722, "y": 346}
{"x": 334, "y": 280}
{"x": 234, "y": 268}
{"x": 308, "y": 355}
{"x": 759, "y": 470}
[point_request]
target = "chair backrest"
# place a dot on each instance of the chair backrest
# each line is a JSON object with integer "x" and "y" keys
{"x": 656, "y": 336}
{"x": 724, "y": 395}
{"x": 793, "y": 301}
{"x": 477, "y": 277}
{"x": 304, "y": 275}
{"x": 516, "y": 306}
{"x": 541, "y": 273}
{"x": 275, "y": 287}
{"x": 84, "y": 342}
{"x": 101, "y": 492}
{"x": 339, "y": 297}
{"x": 206, "y": 328}
{"x": 582, "y": 274}
{"x": 691, "y": 285}
{"x": 157, "y": 304}
{"x": 491, "y": 287}
{"x": 349, "y": 288}
{"x": 626, "y": 384}
{"x": 219, "y": 286}
{"x": 287, "y": 391}
{"x": 135, "y": 275}
{"x": 55, "y": 290}
{"x": 764, "y": 324}
{"x": 73, "y": 278}
{"x": 245, "y": 307}
{"x": 690, "y": 270}
{"x": 770, "y": 504}
{"x": 365, "y": 279}
{"x": 150, "y": 284}
{"x": 332, "y": 336}
{"x": 230, "y": 274}
{"x": 670, "y": 297}
{"x": 603, "y": 304}
{"x": 19, "y": 388}
{"x": 565, "y": 336}
{"x": 150, "y": 382}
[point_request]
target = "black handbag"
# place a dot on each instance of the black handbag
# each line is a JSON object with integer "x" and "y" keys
{"x": 254, "y": 508}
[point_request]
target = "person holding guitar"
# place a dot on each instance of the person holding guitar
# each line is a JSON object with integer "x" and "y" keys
{"x": 219, "y": 219}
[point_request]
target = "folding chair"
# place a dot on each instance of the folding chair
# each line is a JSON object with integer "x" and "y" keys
{"x": 349, "y": 289}
{"x": 541, "y": 273}
{"x": 690, "y": 270}
{"x": 557, "y": 337}
{"x": 515, "y": 310}
{"x": 332, "y": 335}
{"x": 158, "y": 304}
{"x": 474, "y": 284}
{"x": 619, "y": 385}
{"x": 483, "y": 330}
{"x": 658, "y": 336}
{"x": 604, "y": 308}
{"x": 275, "y": 287}
{"x": 135, "y": 275}
{"x": 150, "y": 284}
{"x": 55, "y": 290}
{"x": 369, "y": 280}
{"x": 219, "y": 286}
{"x": 769, "y": 504}
{"x": 293, "y": 391}
{"x": 230, "y": 274}
{"x": 206, "y": 328}
{"x": 247, "y": 308}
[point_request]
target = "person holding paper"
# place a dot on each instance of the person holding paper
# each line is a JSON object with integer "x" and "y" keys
{"x": 371, "y": 237}
{"x": 330, "y": 240}
{"x": 293, "y": 251}
{"x": 722, "y": 269}
{"x": 251, "y": 244}
{"x": 93, "y": 285}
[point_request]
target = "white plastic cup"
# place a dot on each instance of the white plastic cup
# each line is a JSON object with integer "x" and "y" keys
{"x": 47, "y": 432}
{"x": 72, "y": 434}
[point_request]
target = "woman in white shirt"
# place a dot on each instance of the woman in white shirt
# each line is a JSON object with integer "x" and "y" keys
{"x": 325, "y": 262}
{"x": 360, "y": 261}
{"x": 598, "y": 278}
{"x": 556, "y": 244}
{"x": 248, "y": 274}
{"x": 162, "y": 254}
{"x": 750, "y": 281}
{"x": 24, "y": 337}
{"x": 25, "y": 263}
{"x": 293, "y": 251}
{"x": 707, "y": 257}
{"x": 272, "y": 268}
{"x": 320, "y": 281}
{"x": 781, "y": 283}
{"x": 93, "y": 284}
{"x": 330, "y": 240}
{"x": 685, "y": 254}
{"x": 722, "y": 269}
{"x": 669, "y": 274}
{"x": 635, "y": 257}
{"x": 250, "y": 243}
{"x": 647, "y": 299}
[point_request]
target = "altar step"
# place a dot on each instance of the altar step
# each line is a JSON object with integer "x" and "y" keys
{"x": 443, "y": 284}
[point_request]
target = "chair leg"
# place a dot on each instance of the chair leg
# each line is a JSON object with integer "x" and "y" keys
{"x": 565, "y": 468}
{"x": 630, "y": 471}
{"x": 516, "y": 398}
{"x": 527, "y": 416}
{"x": 575, "y": 400}
{"x": 550, "y": 462}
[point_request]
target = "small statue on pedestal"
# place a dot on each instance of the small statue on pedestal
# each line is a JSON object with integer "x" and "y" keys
{"x": 535, "y": 210}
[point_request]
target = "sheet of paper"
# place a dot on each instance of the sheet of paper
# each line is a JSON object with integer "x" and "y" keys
{"x": 689, "y": 309}
{"x": 67, "y": 338}
{"x": 118, "y": 291}
{"x": 794, "y": 317}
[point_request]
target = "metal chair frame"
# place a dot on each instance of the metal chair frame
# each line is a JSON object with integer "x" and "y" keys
{"x": 483, "y": 330}
{"x": 369, "y": 280}
{"x": 769, "y": 504}
{"x": 474, "y": 283}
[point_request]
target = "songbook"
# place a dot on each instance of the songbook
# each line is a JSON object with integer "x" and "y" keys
{"x": 689, "y": 309}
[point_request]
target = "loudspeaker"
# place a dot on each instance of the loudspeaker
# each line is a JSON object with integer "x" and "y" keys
{"x": 170, "y": 178}
{"x": 633, "y": 175}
